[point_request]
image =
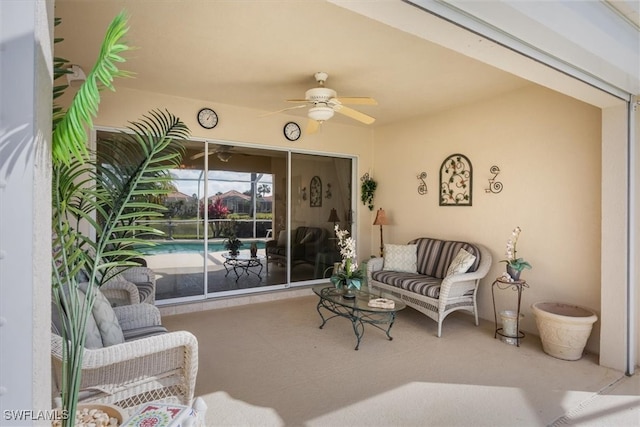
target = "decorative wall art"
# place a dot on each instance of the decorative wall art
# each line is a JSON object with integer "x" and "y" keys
{"x": 315, "y": 192}
{"x": 304, "y": 193}
{"x": 494, "y": 186}
{"x": 327, "y": 194}
{"x": 456, "y": 181}
{"x": 422, "y": 188}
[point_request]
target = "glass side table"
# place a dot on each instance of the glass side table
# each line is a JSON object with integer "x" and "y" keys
{"x": 509, "y": 330}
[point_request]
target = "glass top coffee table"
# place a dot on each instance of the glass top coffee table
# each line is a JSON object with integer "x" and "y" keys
{"x": 357, "y": 309}
{"x": 244, "y": 263}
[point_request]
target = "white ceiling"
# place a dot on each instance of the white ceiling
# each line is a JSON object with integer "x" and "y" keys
{"x": 258, "y": 53}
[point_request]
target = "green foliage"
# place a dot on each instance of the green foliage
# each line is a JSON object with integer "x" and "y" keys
{"x": 111, "y": 197}
{"x": 368, "y": 187}
{"x": 70, "y": 127}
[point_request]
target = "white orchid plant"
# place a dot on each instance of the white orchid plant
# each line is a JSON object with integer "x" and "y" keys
{"x": 350, "y": 276}
{"x": 512, "y": 259}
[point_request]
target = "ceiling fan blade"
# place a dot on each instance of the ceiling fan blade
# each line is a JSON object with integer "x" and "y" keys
{"x": 357, "y": 100}
{"x": 298, "y": 100}
{"x": 312, "y": 126}
{"x": 198, "y": 155}
{"x": 281, "y": 111}
{"x": 356, "y": 115}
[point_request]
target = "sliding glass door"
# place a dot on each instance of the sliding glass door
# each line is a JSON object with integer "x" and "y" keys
{"x": 278, "y": 206}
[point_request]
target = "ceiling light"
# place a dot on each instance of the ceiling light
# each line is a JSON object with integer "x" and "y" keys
{"x": 224, "y": 156}
{"x": 320, "y": 113}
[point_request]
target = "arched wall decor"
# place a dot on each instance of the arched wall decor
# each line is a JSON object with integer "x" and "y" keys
{"x": 315, "y": 192}
{"x": 456, "y": 181}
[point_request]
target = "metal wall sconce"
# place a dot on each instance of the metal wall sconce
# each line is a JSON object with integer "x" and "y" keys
{"x": 422, "y": 188}
{"x": 494, "y": 186}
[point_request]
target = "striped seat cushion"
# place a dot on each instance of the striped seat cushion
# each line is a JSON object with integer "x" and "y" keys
{"x": 418, "y": 283}
{"x": 144, "y": 290}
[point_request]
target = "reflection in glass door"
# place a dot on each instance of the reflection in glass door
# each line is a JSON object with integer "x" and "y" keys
{"x": 321, "y": 199}
{"x": 280, "y": 206}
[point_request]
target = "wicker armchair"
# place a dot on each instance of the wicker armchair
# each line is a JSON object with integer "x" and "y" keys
{"x": 151, "y": 365}
{"x": 133, "y": 285}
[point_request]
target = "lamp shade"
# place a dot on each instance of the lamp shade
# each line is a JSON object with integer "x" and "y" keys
{"x": 333, "y": 216}
{"x": 381, "y": 218}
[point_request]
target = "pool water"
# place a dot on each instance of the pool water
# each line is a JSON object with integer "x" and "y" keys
{"x": 190, "y": 247}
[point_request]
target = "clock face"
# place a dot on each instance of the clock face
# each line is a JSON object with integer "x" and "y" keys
{"x": 292, "y": 131}
{"x": 207, "y": 118}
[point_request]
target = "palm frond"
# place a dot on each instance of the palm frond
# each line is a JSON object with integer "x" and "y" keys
{"x": 69, "y": 129}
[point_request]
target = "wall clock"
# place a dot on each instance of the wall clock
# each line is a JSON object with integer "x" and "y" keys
{"x": 207, "y": 118}
{"x": 292, "y": 131}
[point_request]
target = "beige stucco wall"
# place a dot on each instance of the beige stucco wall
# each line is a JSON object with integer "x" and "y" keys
{"x": 547, "y": 147}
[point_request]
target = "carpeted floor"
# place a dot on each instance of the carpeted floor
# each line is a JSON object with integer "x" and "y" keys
{"x": 269, "y": 364}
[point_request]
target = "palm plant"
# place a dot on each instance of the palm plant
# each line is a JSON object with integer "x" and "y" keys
{"x": 107, "y": 195}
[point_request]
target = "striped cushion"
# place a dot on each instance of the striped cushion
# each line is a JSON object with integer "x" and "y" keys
{"x": 448, "y": 252}
{"x": 144, "y": 290}
{"x": 423, "y": 285}
{"x": 419, "y": 283}
{"x": 147, "y": 331}
{"x": 428, "y": 254}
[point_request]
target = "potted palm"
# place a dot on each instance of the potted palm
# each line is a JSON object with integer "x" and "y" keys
{"x": 107, "y": 196}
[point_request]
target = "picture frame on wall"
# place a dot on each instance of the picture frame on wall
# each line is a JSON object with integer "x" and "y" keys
{"x": 456, "y": 181}
{"x": 315, "y": 192}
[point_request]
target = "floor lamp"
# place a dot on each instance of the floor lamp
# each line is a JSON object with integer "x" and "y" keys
{"x": 381, "y": 219}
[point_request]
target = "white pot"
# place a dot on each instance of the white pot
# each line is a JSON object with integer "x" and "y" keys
{"x": 564, "y": 328}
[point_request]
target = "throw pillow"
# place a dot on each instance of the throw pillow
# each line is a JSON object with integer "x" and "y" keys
{"x": 106, "y": 319}
{"x": 282, "y": 238}
{"x": 401, "y": 258}
{"x": 461, "y": 263}
{"x": 307, "y": 238}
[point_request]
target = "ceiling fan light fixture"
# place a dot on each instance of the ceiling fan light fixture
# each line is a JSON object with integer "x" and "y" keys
{"x": 223, "y": 156}
{"x": 320, "y": 113}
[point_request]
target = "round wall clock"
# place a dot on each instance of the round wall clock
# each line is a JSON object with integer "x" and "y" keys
{"x": 292, "y": 131}
{"x": 207, "y": 118}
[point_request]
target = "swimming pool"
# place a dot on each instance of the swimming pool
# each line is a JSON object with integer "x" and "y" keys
{"x": 191, "y": 247}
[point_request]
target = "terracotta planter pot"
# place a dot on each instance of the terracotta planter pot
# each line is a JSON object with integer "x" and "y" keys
{"x": 564, "y": 328}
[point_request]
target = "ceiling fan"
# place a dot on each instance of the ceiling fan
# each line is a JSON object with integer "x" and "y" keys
{"x": 324, "y": 103}
{"x": 222, "y": 152}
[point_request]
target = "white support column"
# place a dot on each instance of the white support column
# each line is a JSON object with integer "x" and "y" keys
{"x": 25, "y": 210}
{"x": 615, "y": 234}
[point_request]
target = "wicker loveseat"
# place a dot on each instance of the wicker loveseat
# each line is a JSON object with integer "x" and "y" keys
{"x": 428, "y": 288}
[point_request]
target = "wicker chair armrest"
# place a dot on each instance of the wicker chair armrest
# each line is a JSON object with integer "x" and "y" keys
{"x": 375, "y": 264}
{"x": 118, "y": 287}
{"x": 459, "y": 284}
{"x": 139, "y": 275}
{"x": 102, "y": 357}
{"x": 137, "y": 316}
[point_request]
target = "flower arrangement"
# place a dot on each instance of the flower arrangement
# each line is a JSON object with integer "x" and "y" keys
{"x": 515, "y": 265}
{"x": 233, "y": 244}
{"x": 349, "y": 275}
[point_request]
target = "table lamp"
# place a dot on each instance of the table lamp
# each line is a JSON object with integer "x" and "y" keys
{"x": 333, "y": 217}
{"x": 381, "y": 219}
